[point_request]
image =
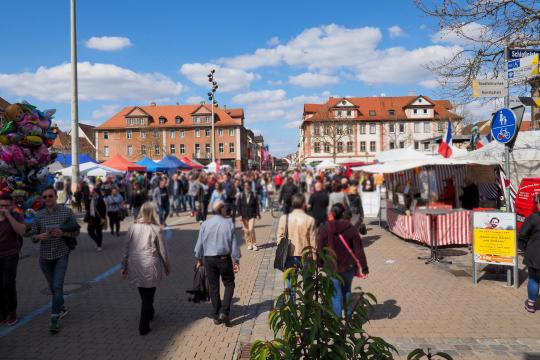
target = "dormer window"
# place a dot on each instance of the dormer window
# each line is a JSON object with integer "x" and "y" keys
{"x": 162, "y": 120}
{"x": 372, "y": 113}
{"x": 419, "y": 100}
{"x": 392, "y": 112}
{"x": 178, "y": 120}
{"x": 343, "y": 102}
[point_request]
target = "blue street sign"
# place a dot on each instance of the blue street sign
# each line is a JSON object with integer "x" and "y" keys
{"x": 521, "y": 53}
{"x": 503, "y": 126}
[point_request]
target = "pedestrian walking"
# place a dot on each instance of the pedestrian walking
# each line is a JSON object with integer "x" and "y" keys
{"x": 217, "y": 195}
{"x": 138, "y": 198}
{"x": 248, "y": 210}
{"x": 286, "y": 194}
{"x": 96, "y": 217}
{"x": 202, "y": 199}
{"x": 218, "y": 251}
{"x": 529, "y": 242}
{"x": 355, "y": 205}
{"x": 145, "y": 261}
{"x": 344, "y": 239}
{"x": 160, "y": 197}
{"x": 318, "y": 204}
{"x": 115, "y": 207}
{"x": 78, "y": 197}
{"x": 12, "y": 228}
{"x": 54, "y": 250}
{"x": 337, "y": 197}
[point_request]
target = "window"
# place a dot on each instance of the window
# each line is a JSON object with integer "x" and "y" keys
{"x": 162, "y": 120}
{"x": 339, "y": 130}
{"x": 143, "y": 134}
{"x": 402, "y": 144}
{"x": 106, "y": 135}
{"x": 182, "y": 149}
{"x": 417, "y": 127}
{"x": 426, "y": 146}
{"x": 425, "y": 111}
{"x": 392, "y": 145}
{"x": 171, "y": 134}
{"x": 391, "y": 128}
{"x": 372, "y": 129}
{"x": 316, "y": 130}
{"x": 197, "y": 150}
{"x": 231, "y": 132}
{"x": 220, "y": 132}
{"x": 362, "y": 146}
{"x": 106, "y": 150}
{"x": 349, "y": 113}
{"x": 362, "y": 128}
{"x": 392, "y": 112}
{"x": 231, "y": 147}
{"x": 339, "y": 113}
{"x": 129, "y": 134}
{"x": 416, "y": 145}
{"x": 178, "y": 120}
{"x": 401, "y": 128}
{"x": 143, "y": 149}
{"x": 415, "y": 111}
{"x": 317, "y": 147}
{"x": 156, "y": 134}
{"x": 349, "y": 146}
{"x": 372, "y": 146}
{"x": 129, "y": 150}
{"x": 207, "y": 132}
{"x": 197, "y": 132}
{"x": 326, "y": 130}
{"x": 172, "y": 149}
{"x": 420, "y": 100}
{"x": 440, "y": 126}
{"x": 372, "y": 113}
{"x": 207, "y": 149}
{"x": 221, "y": 148}
{"x": 182, "y": 133}
{"x": 326, "y": 147}
{"x": 340, "y": 147}
{"x": 427, "y": 127}
{"x": 156, "y": 150}
{"x": 349, "y": 129}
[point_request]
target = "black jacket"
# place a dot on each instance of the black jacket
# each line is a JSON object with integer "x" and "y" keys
{"x": 101, "y": 210}
{"x": 138, "y": 198}
{"x": 529, "y": 240}
{"x": 287, "y": 192}
{"x": 318, "y": 205}
{"x": 470, "y": 198}
{"x": 248, "y": 209}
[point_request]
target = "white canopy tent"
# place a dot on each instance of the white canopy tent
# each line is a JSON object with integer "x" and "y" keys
{"x": 212, "y": 167}
{"x": 83, "y": 168}
{"x": 55, "y": 167}
{"x": 325, "y": 165}
{"x": 391, "y": 167}
{"x": 103, "y": 171}
{"x": 400, "y": 154}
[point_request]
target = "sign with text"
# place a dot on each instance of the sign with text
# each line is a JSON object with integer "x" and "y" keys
{"x": 489, "y": 88}
{"x": 494, "y": 238}
{"x": 523, "y": 68}
{"x": 521, "y": 53}
{"x": 516, "y": 101}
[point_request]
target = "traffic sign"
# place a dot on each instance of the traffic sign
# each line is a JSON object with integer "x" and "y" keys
{"x": 524, "y": 101}
{"x": 523, "y": 68}
{"x": 503, "y": 126}
{"x": 489, "y": 88}
{"x": 521, "y": 53}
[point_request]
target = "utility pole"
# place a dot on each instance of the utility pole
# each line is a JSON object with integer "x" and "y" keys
{"x": 212, "y": 98}
{"x": 74, "y": 101}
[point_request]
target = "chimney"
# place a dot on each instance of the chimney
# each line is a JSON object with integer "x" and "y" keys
{"x": 202, "y": 102}
{"x": 152, "y": 104}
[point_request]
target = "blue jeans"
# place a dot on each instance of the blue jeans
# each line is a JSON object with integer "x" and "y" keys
{"x": 264, "y": 200}
{"x": 343, "y": 292}
{"x": 163, "y": 213}
{"x": 191, "y": 202}
{"x": 55, "y": 272}
{"x": 292, "y": 261}
{"x": 533, "y": 284}
{"x": 180, "y": 203}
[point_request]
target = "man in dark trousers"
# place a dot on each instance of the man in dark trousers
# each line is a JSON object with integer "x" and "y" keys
{"x": 318, "y": 204}
{"x": 286, "y": 194}
{"x": 160, "y": 197}
{"x": 217, "y": 249}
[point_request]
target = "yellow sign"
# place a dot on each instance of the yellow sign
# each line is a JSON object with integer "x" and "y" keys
{"x": 494, "y": 238}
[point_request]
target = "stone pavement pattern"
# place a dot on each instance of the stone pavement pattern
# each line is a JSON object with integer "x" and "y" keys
{"x": 103, "y": 319}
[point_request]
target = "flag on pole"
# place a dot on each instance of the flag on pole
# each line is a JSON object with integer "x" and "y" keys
{"x": 445, "y": 147}
{"x": 483, "y": 141}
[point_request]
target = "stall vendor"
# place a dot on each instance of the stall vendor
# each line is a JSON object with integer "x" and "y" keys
{"x": 448, "y": 195}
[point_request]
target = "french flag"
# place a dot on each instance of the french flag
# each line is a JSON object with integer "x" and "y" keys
{"x": 445, "y": 147}
{"x": 483, "y": 141}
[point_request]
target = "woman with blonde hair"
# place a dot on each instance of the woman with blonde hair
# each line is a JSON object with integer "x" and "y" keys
{"x": 146, "y": 259}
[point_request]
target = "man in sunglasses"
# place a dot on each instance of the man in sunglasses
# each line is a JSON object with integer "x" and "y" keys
{"x": 11, "y": 230}
{"x": 54, "y": 252}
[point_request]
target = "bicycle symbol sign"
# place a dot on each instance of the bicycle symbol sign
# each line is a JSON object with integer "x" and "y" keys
{"x": 503, "y": 125}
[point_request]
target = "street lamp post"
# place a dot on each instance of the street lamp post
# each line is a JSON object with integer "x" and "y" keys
{"x": 74, "y": 100}
{"x": 212, "y": 98}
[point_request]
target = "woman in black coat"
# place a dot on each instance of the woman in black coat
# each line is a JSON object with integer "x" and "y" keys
{"x": 248, "y": 209}
{"x": 96, "y": 216}
{"x": 529, "y": 241}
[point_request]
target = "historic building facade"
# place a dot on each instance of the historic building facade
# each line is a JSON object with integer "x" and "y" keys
{"x": 354, "y": 129}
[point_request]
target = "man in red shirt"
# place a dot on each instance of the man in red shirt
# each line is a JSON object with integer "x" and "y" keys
{"x": 11, "y": 230}
{"x": 278, "y": 181}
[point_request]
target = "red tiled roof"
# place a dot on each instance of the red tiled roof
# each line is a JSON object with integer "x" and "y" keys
{"x": 381, "y": 106}
{"x": 63, "y": 144}
{"x": 89, "y": 131}
{"x": 3, "y": 103}
{"x": 170, "y": 112}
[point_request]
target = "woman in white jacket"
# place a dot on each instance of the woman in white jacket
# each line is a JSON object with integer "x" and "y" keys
{"x": 146, "y": 259}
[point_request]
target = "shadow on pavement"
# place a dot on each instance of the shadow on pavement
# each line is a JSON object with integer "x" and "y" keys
{"x": 369, "y": 240}
{"x": 387, "y": 310}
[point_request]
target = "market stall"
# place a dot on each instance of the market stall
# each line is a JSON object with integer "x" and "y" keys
{"x": 118, "y": 162}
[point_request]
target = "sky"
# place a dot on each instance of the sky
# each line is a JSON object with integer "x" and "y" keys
{"x": 270, "y": 57}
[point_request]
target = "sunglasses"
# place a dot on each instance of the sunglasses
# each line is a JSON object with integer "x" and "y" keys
{"x": 48, "y": 196}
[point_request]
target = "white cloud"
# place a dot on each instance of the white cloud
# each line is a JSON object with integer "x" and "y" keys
{"x": 194, "y": 99}
{"x": 105, "y": 111}
{"x": 228, "y": 79}
{"x": 273, "y": 41}
{"x": 463, "y": 35}
{"x": 310, "y": 80}
{"x": 96, "y": 82}
{"x": 108, "y": 43}
{"x": 275, "y": 82}
{"x": 260, "y": 96}
{"x": 395, "y": 32}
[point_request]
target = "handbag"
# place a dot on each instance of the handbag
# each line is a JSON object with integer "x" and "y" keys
{"x": 362, "y": 228}
{"x": 357, "y": 262}
{"x": 282, "y": 250}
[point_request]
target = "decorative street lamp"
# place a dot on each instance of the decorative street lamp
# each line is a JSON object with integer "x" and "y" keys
{"x": 212, "y": 98}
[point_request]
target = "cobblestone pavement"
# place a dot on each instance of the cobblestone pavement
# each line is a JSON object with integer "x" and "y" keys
{"x": 103, "y": 319}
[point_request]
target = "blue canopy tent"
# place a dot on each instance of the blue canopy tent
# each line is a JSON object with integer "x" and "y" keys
{"x": 151, "y": 166}
{"x": 172, "y": 163}
{"x": 65, "y": 159}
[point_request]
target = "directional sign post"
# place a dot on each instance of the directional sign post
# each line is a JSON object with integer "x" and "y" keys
{"x": 523, "y": 68}
{"x": 489, "y": 88}
{"x": 521, "y": 53}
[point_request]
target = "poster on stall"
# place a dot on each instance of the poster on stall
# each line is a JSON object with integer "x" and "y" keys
{"x": 494, "y": 238}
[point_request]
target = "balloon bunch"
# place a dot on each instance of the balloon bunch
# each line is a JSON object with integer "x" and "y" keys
{"x": 25, "y": 138}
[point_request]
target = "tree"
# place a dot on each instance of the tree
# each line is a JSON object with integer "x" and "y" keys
{"x": 332, "y": 136}
{"x": 484, "y": 28}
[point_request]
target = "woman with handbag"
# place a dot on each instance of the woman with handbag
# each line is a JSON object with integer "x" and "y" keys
{"x": 145, "y": 261}
{"x": 355, "y": 206}
{"x": 344, "y": 239}
{"x": 96, "y": 217}
{"x": 115, "y": 204}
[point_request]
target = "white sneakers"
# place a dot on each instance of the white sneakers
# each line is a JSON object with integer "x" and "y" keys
{"x": 253, "y": 247}
{"x": 250, "y": 247}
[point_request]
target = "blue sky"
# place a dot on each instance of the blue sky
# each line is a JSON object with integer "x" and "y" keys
{"x": 270, "y": 57}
